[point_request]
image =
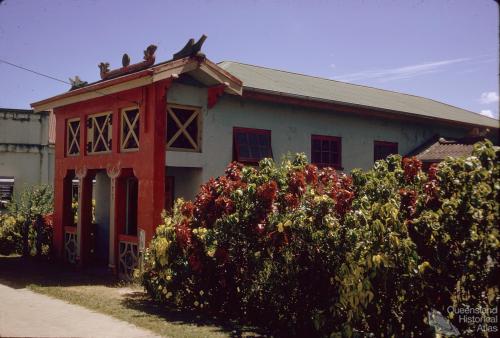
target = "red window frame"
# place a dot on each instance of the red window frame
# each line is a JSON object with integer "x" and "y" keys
{"x": 385, "y": 144}
{"x": 335, "y": 139}
{"x": 236, "y": 145}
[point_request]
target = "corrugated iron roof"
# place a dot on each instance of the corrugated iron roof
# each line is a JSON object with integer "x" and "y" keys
{"x": 315, "y": 88}
{"x": 442, "y": 148}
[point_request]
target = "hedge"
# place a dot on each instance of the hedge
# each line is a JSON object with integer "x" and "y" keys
{"x": 311, "y": 252}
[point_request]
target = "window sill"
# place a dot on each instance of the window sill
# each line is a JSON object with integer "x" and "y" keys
{"x": 323, "y": 165}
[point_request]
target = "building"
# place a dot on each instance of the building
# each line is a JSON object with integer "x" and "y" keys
{"x": 147, "y": 133}
{"x": 26, "y": 155}
{"x": 439, "y": 148}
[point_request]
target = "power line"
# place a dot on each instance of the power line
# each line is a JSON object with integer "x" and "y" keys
{"x": 33, "y": 71}
{"x": 59, "y": 80}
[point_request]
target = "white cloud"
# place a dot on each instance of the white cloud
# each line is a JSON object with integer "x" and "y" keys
{"x": 332, "y": 66}
{"x": 389, "y": 74}
{"x": 488, "y": 112}
{"x": 488, "y": 97}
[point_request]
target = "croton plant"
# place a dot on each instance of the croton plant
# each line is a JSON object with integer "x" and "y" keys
{"x": 305, "y": 251}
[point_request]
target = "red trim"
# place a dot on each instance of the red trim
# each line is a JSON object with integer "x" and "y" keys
{"x": 127, "y": 238}
{"x": 385, "y": 144}
{"x": 96, "y": 86}
{"x": 127, "y": 69}
{"x": 213, "y": 95}
{"x": 70, "y": 229}
{"x": 336, "y": 139}
{"x": 236, "y": 148}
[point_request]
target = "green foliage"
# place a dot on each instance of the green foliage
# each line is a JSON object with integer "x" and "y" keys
{"x": 26, "y": 227}
{"x": 10, "y": 236}
{"x": 310, "y": 252}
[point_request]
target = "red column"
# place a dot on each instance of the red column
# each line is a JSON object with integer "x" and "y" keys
{"x": 117, "y": 216}
{"x": 152, "y": 174}
{"x": 60, "y": 193}
{"x": 60, "y": 196}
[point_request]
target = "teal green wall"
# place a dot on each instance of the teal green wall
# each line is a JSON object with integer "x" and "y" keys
{"x": 291, "y": 129}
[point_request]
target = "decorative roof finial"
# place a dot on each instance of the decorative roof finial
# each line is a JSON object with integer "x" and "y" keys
{"x": 125, "y": 60}
{"x": 127, "y": 68}
{"x": 149, "y": 53}
{"x": 104, "y": 67}
{"x": 77, "y": 83}
{"x": 191, "y": 49}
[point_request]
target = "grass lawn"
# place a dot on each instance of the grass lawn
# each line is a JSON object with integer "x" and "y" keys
{"x": 104, "y": 293}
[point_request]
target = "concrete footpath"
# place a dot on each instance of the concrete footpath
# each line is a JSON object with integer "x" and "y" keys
{"x": 24, "y": 313}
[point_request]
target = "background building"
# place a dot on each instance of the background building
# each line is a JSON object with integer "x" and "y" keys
{"x": 26, "y": 154}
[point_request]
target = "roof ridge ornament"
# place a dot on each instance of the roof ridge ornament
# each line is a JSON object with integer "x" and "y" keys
{"x": 77, "y": 83}
{"x": 191, "y": 49}
{"x": 127, "y": 68}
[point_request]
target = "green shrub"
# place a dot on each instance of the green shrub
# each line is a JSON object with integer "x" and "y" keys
{"x": 26, "y": 227}
{"x": 310, "y": 252}
{"x": 10, "y": 236}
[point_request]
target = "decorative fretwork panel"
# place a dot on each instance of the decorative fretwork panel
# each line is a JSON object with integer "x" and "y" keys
{"x": 130, "y": 129}
{"x": 99, "y": 133}
{"x": 73, "y": 137}
{"x": 128, "y": 260}
{"x": 70, "y": 246}
{"x": 183, "y": 128}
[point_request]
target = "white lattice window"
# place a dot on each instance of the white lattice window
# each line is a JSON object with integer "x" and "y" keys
{"x": 73, "y": 137}
{"x": 130, "y": 129}
{"x": 183, "y": 128}
{"x": 99, "y": 133}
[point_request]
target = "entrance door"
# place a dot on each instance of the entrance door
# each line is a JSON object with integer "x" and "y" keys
{"x": 100, "y": 206}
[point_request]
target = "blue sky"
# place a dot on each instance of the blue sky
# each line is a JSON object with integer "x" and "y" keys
{"x": 445, "y": 50}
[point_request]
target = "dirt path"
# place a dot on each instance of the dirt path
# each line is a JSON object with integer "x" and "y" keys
{"x": 24, "y": 313}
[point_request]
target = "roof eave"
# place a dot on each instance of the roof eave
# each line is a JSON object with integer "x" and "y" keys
{"x": 157, "y": 73}
{"x": 95, "y": 90}
{"x": 354, "y": 105}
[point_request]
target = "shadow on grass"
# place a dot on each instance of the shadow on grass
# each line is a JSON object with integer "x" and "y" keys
{"x": 19, "y": 272}
{"x": 141, "y": 302}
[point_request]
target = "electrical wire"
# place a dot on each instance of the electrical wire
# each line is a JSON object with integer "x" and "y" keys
{"x": 66, "y": 82}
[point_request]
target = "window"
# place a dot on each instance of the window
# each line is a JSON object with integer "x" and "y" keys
{"x": 326, "y": 151}
{"x": 130, "y": 129}
{"x": 382, "y": 149}
{"x": 99, "y": 133}
{"x": 73, "y": 137}
{"x": 6, "y": 190}
{"x": 251, "y": 145}
{"x": 183, "y": 128}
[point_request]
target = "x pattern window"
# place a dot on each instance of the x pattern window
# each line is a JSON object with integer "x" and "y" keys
{"x": 382, "y": 149}
{"x": 99, "y": 133}
{"x": 73, "y": 137}
{"x": 130, "y": 129}
{"x": 326, "y": 151}
{"x": 251, "y": 145}
{"x": 183, "y": 128}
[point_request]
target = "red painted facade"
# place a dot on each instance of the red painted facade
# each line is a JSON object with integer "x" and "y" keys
{"x": 147, "y": 164}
